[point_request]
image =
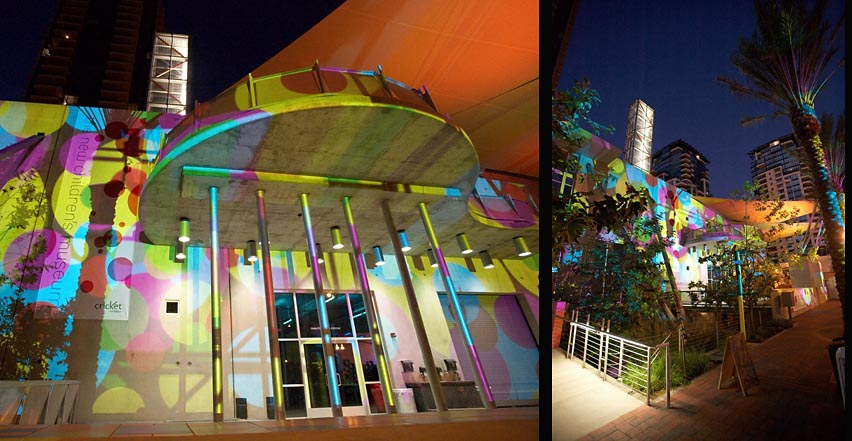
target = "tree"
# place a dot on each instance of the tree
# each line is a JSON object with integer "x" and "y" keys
{"x": 616, "y": 277}
{"x": 28, "y": 330}
{"x": 576, "y": 211}
{"x": 833, "y": 138}
{"x": 786, "y": 63}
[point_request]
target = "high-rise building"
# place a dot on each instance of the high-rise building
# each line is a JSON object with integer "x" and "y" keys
{"x": 97, "y": 53}
{"x": 776, "y": 168}
{"x": 168, "y": 89}
{"x": 684, "y": 166}
{"x": 640, "y": 135}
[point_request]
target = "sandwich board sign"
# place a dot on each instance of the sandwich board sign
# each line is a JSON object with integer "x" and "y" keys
{"x": 737, "y": 364}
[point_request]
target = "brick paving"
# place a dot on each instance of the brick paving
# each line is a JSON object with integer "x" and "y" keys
{"x": 797, "y": 398}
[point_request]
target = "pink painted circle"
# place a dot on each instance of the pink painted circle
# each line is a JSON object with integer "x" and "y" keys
{"x": 120, "y": 269}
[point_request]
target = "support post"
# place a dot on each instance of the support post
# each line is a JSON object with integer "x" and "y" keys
{"x": 216, "y": 307}
{"x": 416, "y": 317}
{"x": 479, "y": 377}
{"x": 737, "y": 264}
{"x": 325, "y": 332}
{"x": 271, "y": 319}
{"x": 372, "y": 312}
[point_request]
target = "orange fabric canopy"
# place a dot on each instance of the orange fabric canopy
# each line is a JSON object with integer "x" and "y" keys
{"x": 757, "y": 213}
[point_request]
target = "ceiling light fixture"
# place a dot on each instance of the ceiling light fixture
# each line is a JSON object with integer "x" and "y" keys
{"x": 183, "y": 230}
{"x": 336, "y": 238}
{"x": 521, "y": 247}
{"x": 404, "y": 245}
{"x": 464, "y": 245}
{"x": 377, "y": 252}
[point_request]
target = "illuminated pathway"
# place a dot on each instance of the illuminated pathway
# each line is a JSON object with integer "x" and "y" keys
{"x": 797, "y": 397}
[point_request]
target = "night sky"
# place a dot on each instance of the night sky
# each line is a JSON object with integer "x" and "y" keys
{"x": 227, "y": 38}
{"x": 668, "y": 54}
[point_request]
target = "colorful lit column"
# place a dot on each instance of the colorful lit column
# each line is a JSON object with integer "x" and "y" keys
{"x": 479, "y": 378}
{"x": 372, "y": 313}
{"x": 737, "y": 263}
{"x": 271, "y": 320}
{"x": 416, "y": 317}
{"x": 325, "y": 332}
{"x": 216, "y": 306}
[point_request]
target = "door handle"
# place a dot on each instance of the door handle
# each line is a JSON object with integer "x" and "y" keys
{"x": 338, "y": 380}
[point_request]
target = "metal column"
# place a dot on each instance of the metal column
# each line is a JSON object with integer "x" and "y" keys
{"x": 327, "y": 349}
{"x": 216, "y": 306}
{"x": 271, "y": 320}
{"x": 372, "y": 317}
{"x": 416, "y": 317}
{"x": 479, "y": 378}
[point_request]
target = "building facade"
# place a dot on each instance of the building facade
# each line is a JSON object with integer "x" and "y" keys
{"x": 682, "y": 165}
{"x": 97, "y": 53}
{"x": 776, "y": 168}
{"x": 115, "y": 308}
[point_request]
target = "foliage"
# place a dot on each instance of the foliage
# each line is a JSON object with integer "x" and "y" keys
{"x": 758, "y": 273}
{"x": 695, "y": 362}
{"x": 786, "y": 63}
{"x": 616, "y": 279}
{"x": 575, "y": 212}
{"x": 27, "y": 329}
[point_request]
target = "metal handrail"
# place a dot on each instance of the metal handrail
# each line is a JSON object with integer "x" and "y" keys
{"x": 614, "y": 356}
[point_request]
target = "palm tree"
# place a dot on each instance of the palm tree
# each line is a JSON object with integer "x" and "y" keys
{"x": 833, "y": 138}
{"x": 787, "y": 63}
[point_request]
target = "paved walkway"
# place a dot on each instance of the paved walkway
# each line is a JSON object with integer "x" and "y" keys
{"x": 510, "y": 424}
{"x": 797, "y": 398}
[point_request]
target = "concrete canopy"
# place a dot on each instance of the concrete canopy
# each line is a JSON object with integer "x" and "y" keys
{"x": 366, "y": 137}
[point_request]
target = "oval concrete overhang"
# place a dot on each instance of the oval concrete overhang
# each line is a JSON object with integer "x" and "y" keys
{"x": 326, "y": 145}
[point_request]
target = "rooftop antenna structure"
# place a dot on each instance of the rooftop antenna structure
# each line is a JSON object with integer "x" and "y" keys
{"x": 640, "y": 132}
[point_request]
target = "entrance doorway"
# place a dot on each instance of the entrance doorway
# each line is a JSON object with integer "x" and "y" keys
{"x": 304, "y": 368}
{"x": 349, "y": 379}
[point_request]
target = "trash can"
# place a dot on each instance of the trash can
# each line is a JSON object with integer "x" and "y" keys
{"x": 836, "y": 344}
{"x": 242, "y": 409}
{"x": 404, "y": 401}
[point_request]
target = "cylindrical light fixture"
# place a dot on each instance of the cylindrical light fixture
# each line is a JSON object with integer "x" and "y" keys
{"x": 319, "y": 254}
{"x": 183, "y": 230}
{"x": 250, "y": 252}
{"x": 336, "y": 238}
{"x": 377, "y": 252}
{"x": 521, "y": 246}
{"x": 404, "y": 245}
{"x": 486, "y": 259}
{"x": 180, "y": 251}
{"x": 464, "y": 245}
{"x": 433, "y": 262}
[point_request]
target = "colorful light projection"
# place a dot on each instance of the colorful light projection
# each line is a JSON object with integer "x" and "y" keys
{"x": 136, "y": 361}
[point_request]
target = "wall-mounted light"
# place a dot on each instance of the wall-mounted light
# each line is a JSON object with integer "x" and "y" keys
{"x": 319, "y": 254}
{"x": 180, "y": 251}
{"x": 521, "y": 246}
{"x": 487, "y": 263}
{"x": 377, "y": 253}
{"x": 464, "y": 245}
{"x": 183, "y": 230}
{"x": 433, "y": 262}
{"x": 404, "y": 245}
{"x": 250, "y": 255}
{"x": 336, "y": 238}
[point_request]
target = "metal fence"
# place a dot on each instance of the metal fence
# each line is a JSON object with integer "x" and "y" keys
{"x": 626, "y": 361}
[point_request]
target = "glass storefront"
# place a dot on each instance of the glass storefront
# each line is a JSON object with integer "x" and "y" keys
{"x": 305, "y": 376}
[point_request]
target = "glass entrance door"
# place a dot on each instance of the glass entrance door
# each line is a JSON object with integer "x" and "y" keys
{"x": 349, "y": 379}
